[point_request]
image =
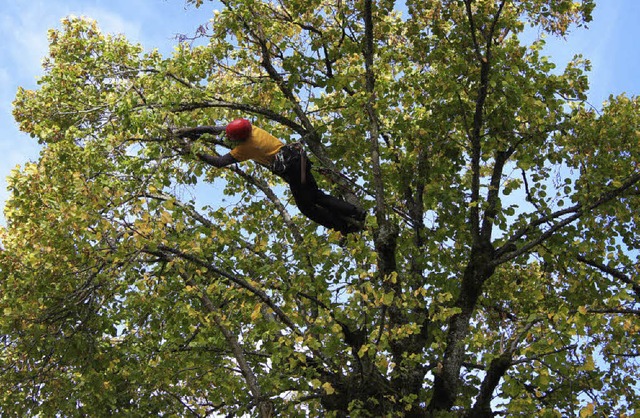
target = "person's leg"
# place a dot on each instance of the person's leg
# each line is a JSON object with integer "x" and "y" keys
{"x": 306, "y": 201}
{"x": 326, "y": 210}
{"x": 343, "y": 208}
{"x": 317, "y": 205}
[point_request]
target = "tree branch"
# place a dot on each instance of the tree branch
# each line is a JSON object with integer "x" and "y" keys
{"x": 247, "y": 108}
{"x": 479, "y": 268}
{"x": 234, "y": 279}
{"x": 472, "y": 29}
{"x": 504, "y": 254}
{"x": 374, "y": 130}
{"x": 197, "y": 131}
{"x": 493, "y": 197}
{"x": 306, "y": 130}
{"x": 613, "y": 272}
{"x": 191, "y": 211}
{"x": 274, "y": 199}
{"x": 542, "y": 355}
{"x": 265, "y": 406}
{"x": 494, "y": 374}
{"x": 476, "y": 135}
{"x": 476, "y": 149}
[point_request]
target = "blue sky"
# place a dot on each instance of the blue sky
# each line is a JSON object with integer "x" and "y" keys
{"x": 611, "y": 43}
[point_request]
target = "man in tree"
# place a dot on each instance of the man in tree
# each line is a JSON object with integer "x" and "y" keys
{"x": 291, "y": 164}
{"x": 486, "y": 286}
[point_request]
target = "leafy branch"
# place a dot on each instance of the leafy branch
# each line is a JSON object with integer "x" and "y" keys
{"x": 506, "y": 252}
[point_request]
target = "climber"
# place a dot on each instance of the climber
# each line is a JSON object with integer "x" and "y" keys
{"x": 290, "y": 163}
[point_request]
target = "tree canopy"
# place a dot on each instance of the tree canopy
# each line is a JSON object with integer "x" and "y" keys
{"x": 498, "y": 273}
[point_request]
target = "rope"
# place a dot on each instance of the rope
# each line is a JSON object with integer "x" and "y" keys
{"x": 303, "y": 166}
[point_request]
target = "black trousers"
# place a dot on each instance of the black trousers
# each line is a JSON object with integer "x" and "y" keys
{"x": 315, "y": 204}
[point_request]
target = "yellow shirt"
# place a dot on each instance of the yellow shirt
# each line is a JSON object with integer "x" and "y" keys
{"x": 260, "y": 147}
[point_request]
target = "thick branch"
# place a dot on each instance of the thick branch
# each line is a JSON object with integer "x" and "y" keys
{"x": 197, "y": 131}
{"x": 476, "y": 134}
{"x": 247, "y": 108}
{"x": 374, "y": 130}
{"x": 493, "y": 198}
{"x": 479, "y": 268}
{"x": 476, "y": 149}
{"x": 496, "y": 371}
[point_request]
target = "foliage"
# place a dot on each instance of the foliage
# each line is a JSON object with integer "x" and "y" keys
{"x": 498, "y": 273}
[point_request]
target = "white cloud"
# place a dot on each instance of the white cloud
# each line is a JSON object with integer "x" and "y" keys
{"x": 110, "y": 22}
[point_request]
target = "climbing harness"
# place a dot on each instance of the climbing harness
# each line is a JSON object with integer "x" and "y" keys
{"x": 286, "y": 156}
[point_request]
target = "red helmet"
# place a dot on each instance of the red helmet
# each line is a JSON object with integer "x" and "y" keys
{"x": 238, "y": 129}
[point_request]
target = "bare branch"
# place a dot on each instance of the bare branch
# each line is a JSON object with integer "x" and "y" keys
{"x": 543, "y": 355}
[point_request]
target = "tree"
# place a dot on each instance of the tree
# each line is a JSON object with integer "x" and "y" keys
{"x": 498, "y": 272}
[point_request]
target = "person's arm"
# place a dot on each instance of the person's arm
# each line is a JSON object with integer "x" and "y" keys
{"x": 217, "y": 161}
{"x": 197, "y": 131}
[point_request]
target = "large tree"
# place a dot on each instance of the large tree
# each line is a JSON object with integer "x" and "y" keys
{"x": 498, "y": 273}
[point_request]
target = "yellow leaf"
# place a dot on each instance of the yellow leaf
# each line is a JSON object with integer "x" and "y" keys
{"x": 256, "y": 311}
{"x": 363, "y": 350}
{"x": 587, "y": 411}
{"x": 582, "y": 310}
{"x": 166, "y": 217}
{"x": 387, "y": 298}
{"x": 589, "y": 364}
{"x": 328, "y": 388}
